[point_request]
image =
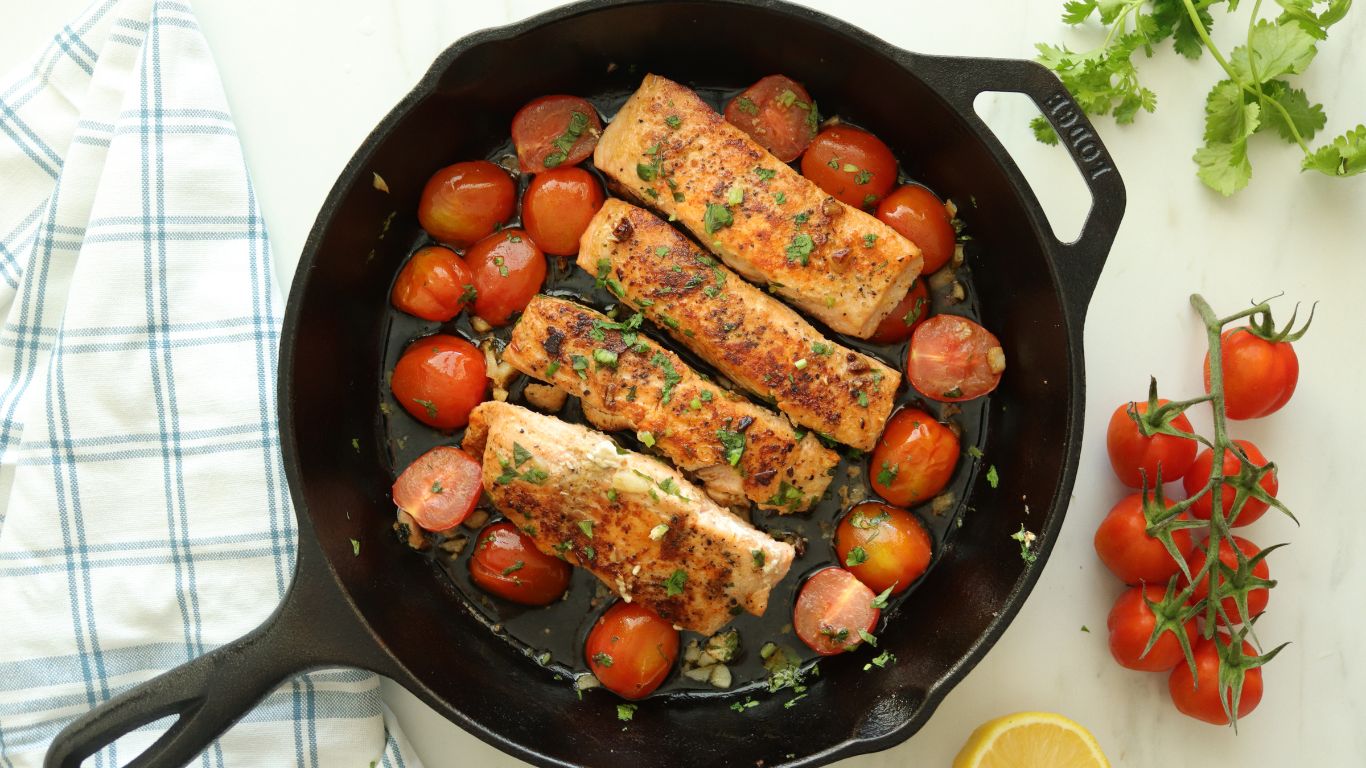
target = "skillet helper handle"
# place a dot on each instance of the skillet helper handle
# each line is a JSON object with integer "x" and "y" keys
{"x": 959, "y": 80}
{"x": 313, "y": 627}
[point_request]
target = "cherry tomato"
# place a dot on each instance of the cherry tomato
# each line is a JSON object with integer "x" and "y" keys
{"x": 913, "y": 459}
{"x": 1131, "y": 625}
{"x": 507, "y": 563}
{"x": 466, "y": 201}
{"x": 555, "y": 131}
{"x": 557, "y": 207}
{"x": 851, "y": 164}
{"x": 1257, "y": 598}
{"x": 440, "y": 488}
{"x": 631, "y": 650}
{"x": 1199, "y": 474}
{"x": 439, "y": 379}
{"x": 1201, "y": 698}
{"x": 1259, "y": 375}
{"x": 908, "y": 315}
{"x": 1134, "y": 457}
{"x": 1123, "y": 544}
{"x": 435, "y": 284}
{"x": 832, "y": 608}
{"x": 883, "y": 546}
{"x": 920, "y": 217}
{"x": 953, "y": 359}
{"x": 778, "y": 113}
{"x": 508, "y": 270}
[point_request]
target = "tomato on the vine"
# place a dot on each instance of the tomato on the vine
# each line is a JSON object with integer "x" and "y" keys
{"x": 913, "y": 459}
{"x": 466, "y": 201}
{"x": 1123, "y": 544}
{"x": 920, "y": 217}
{"x": 902, "y": 321}
{"x": 1259, "y": 375}
{"x": 1131, "y": 624}
{"x": 631, "y": 650}
{"x": 508, "y": 270}
{"x": 1199, "y": 475}
{"x": 1136, "y": 458}
{"x": 440, "y": 488}
{"x": 884, "y": 546}
{"x": 1257, "y": 597}
{"x": 1201, "y": 697}
{"x": 834, "y": 611}
{"x": 439, "y": 379}
{"x": 507, "y": 563}
{"x": 778, "y": 113}
{"x": 851, "y": 164}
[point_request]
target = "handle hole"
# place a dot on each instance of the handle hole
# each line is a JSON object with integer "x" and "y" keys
{"x": 133, "y": 743}
{"x": 1064, "y": 196}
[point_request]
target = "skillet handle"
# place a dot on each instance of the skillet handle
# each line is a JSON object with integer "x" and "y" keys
{"x": 210, "y": 693}
{"x": 959, "y": 80}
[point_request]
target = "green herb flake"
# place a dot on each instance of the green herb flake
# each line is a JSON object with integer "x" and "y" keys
{"x": 880, "y": 601}
{"x": 869, "y": 199}
{"x": 735, "y": 195}
{"x": 517, "y": 566}
{"x": 733, "y": 443}
{"x": 716, "y": 217}
{"x": 671, "y": 376}
{"x": 428, "y": 406}
{"x": 673, "y": 121}
{"x": 880, "y": 661}
{"x": 355, "y": 547}
{"x": 674, "y": 585}
{"x": 765, "y": 174}
{"x": 868, "y": 637}
{"x": 746, "y": 105}
{"x": 625, "y": 712}
{"x": 1026, "y": 539}
{"x": 520, "y": 455}
{"x": 868, "y": 240}
{"x": 578, "y": 123}
{"x": 552, "y": 369}
{"x": 780, "y": 197}
{"x": 602, "y": 659}
{"x": 646, "y": 437}
{"x": 786, "y": 98}
{"x": 468, "y": 297}
{"x": 993, "y": 479}
{"x": 580, "y": 365}
{"x": 974, "y": 452}
{"x": 586, "y": 526}
{"x": 821, "y": 348}
{"x": 437, "y": 487}
{"x": 887, "y": 474}
{"x": 605, "y": 358}
{"x": 862, "y": 399}
{"x": 695, "y": 404}
{"x": 800, "y": 248}
{"x": 788, "y": 495}
{"x": 857, "y": 556}
{"x": 758, "y": 555}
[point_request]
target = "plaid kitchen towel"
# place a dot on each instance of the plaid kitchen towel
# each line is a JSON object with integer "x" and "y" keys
{"x": 144, "y": 519}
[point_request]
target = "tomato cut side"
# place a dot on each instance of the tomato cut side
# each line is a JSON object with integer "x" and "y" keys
{"x": 953, "y": 359}
{"x": 909, "y": 313}
{"x": 439, "y": 379}
{"x": 440, "y": 488}
{"x": 555, "y": 131}
{"x": 851, "y": 164}
{"x": 631, "y": 650}
{"x": 832, "y": 609}
{"x": 916, "y": 213}
{"x": 508, "y": 270}
{"x": 557, "y": 207}
{"x": 914, "y": 458}
{"x": 466, "y": 201}
{"x": 507, "y": 563}
{"x": 778, "y": 113}
{"x": 883, "y": 546}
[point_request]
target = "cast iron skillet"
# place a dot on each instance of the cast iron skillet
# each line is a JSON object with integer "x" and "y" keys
{"x": 394, "y": 613}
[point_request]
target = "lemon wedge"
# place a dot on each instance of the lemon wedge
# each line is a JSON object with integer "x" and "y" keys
{"x": 1031, "y": 740}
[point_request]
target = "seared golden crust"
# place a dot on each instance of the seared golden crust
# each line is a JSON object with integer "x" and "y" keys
{"x": 751, "y": 338}
{"x": 641, "y": 386}
{"x": 670, "y": 150}
{"x": 636, "y": 524}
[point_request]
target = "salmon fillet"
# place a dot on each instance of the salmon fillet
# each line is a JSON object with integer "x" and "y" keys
{"x": 626, "y": 381}
{"x": 753, "y": 339}
{"x": 635, "y": 523}
{"x": 670, "y": 150}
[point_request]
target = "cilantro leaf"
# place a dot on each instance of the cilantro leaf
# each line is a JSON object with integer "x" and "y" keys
{"x": 1275, "y": 50}
{"x": 1346, "y": 156}
{"x": 1224, "y": 167}
{"x": 1043, "y": 131}
{"x": 1307, "y": 118}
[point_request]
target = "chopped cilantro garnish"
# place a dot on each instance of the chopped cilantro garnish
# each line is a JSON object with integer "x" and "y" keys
{"x": 857, "y": 556}
{"x": 355, "y": 547}
{"x": 780, "y": 197}
{"x": 733, "y": 443}
{"x": 716, "y": 217}
{"x": 646, "y": 437}
{"x": 428, "y": 406}
{"x": 800, "y": 248}
{"x": 914, "y": 313}
{"x": 887, "y": 475}
{"x": 868, "y": 240}
{"x": 993, "y": 479}
{"x": 578, "y": 121}
{"x": 788, "y": 495}
{"x": 674, "y": 586}
{"x": 821, "y": 348}
{"x": 735, "y": 195}
{"x": 602, "y": 659}
{"x": 673, "y": 121}
{"x": 552, "y": 369}
{"x": 974, "y": 452}
{"x": 880, "y": 661}
{"x": 580, "y": 364}
{"x": 517, "y": 566}
{"x": 587, "y": 527}
{"x": 758, "y": 555}
{"x": 470, "y": 294}
{"x": 520, "y": 455}
{"x": 746, "y": 105}
{"x": 862, "y": 399}
{"x": 863, "y": 177}
{"x": 867, "y": 637}
{"x": 786, "y": 98}
{"x": 671, "y": 376}
{"x": 765, "y": 174}
{"x": 880, "y": 601}
{"x": 605, "y": 358}
{"x": 626, "y": 711}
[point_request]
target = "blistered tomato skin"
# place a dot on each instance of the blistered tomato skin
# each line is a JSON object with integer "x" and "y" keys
{"x": 439, "y": 380}
{"x": 464, "y": 202}
{"x": 914, "y": 458}
{"x": 631, "y": 650}
{"x": 434, "y": 285}
{"x": 916, "y": 213}
{"x": 885, "y": 547}
{"x": 508, "y": 269}
{"x": 557, "y": 206}
{"x": 507, "y": 563}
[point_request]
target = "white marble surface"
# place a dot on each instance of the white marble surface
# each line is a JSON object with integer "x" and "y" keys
{"x": 307, "y": 79}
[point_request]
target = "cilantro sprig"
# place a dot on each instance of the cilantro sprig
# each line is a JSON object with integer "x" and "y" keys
{"x": 1254, "y": 97}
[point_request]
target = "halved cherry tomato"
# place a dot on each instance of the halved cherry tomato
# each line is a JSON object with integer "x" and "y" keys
{"x": 1123, "y": 543}
{"x": 507, "y": 563}
{"x": 952, "y": 359}
{"x": 1257, "y": 597}
{"x": 832, "y": 608}
{"x": 555, "y": 131}
{"x": 851, "y": 164}
{"x": 508, "y": 270}
{"x": 435, "y": 285}
{"x": 439, "y": 489}
{"x": 1199, "y": 474}
{"x": 908, "y": 315}
{"x": 1135, "y": 457}
{"x": 557, "y": 207}
{"x": 439, "y": 379}
{"x": 1131, "y": 624}
{"x": 466, "y": 201}
{"x": 1200, "y": 697}
{"x": 920, "y": 217}
{"x": 778, "y": 113}
{"x": 883, "y": 546}
{"x": 631, "y": 650}
{"x": 913, "y": 459}
{"x": 1259, "y": 375}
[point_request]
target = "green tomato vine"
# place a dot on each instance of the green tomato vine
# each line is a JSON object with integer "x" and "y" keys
{"x": 1255, "y": 97}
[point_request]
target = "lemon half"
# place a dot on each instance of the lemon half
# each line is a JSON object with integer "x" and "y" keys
{"x": 1031, "y": 740}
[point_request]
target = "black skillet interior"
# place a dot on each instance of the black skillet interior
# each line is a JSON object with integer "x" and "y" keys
{"x": 400, "y": 614}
